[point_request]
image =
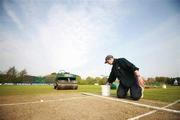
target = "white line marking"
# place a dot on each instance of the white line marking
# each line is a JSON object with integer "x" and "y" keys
{"x": 24, "y": 103}
{"x": 133, "y": 103}
{"x": 151, "y": 112}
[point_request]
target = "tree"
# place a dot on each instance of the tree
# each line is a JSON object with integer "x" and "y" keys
{"x": 78, "y": 78}
{"x": 102, "y": 81}
{"x": 90, "y": 80}
{"x": 50, "y": 78}
{"x": 11, "y": 74}
{"x": 98, "y": 79}
{"x": 3, "y": 78}
{"x": 53, "y": 73}
{"x": 21, "y": 76}
{"x": 161, "y": 79}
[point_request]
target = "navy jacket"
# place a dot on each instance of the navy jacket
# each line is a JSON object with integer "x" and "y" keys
{"x": 124, "y": 71}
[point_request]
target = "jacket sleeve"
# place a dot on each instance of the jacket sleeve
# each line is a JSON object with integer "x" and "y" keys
{"x": 129, "y": 65}
{"x": 112, "y": 76}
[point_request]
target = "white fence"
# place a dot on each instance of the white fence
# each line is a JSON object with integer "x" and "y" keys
{"x": 26, "y": 84}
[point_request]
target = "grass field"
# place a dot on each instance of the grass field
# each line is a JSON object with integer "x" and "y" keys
{"x": 43, "y": 102}
{"x": 170, "y": 94}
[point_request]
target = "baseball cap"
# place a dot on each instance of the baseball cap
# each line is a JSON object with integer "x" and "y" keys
{"x": 108, "y": 57}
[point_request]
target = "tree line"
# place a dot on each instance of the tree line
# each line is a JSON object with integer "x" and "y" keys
{"x": 12, "y": 75}
{"x": 91, "y": 80}
{"x": 149, "y": 81}
{"x": 161, "y": 80}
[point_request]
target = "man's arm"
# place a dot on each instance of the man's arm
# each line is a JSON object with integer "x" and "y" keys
{"x": 134, "y": 69}
{"x": 139, "y": 78}
{"x": 112, "y": 77}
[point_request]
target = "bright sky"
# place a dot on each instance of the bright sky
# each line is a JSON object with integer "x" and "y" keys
{"x": 45, "y": 36}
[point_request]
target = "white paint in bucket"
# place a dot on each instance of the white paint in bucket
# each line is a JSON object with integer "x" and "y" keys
{"x": 105, "y": 90}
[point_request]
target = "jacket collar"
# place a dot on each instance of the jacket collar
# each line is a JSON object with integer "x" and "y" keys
{"x": 115, "y": 61}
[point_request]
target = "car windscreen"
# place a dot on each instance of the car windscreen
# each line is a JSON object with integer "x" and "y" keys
{"x": 66, "y": 78}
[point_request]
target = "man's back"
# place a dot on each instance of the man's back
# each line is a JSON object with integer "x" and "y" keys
{"x": 124, "y": 71}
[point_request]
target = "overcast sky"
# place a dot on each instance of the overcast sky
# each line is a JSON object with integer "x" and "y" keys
{"x": 45, "y": 36}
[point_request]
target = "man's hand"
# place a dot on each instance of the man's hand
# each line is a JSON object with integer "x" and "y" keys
{"x": 140, "y": 81}
{"x": 139, "y": 78}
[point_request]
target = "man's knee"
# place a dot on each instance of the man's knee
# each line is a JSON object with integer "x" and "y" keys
{"x": 122, "y": 91}
{"x": 136, "y": 96}
{"x": 136, "y": 92}
{"x": 121, "y": 95}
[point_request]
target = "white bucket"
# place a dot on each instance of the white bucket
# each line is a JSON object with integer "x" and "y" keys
{"x": 164, "y": 86}
{"x": 105, "y": 90}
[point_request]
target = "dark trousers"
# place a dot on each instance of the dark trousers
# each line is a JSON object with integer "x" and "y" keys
{"x": 135, "y": 91}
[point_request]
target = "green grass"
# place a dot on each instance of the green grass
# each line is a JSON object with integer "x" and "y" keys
{"x": 170, "y": 94}
{"x": 6, "y": 90}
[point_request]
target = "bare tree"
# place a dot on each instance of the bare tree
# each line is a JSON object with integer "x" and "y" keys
{"x": 22, "y": 74}
{"x": 11, "y": 74}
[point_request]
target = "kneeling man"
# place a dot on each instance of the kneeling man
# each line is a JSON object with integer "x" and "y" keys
{"x": 129, "y": 77}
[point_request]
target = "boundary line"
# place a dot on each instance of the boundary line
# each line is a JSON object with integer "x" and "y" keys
{"x": 133, "y": 103}
{"x": 45, "y": 101}
{"x": 153, "y": 111}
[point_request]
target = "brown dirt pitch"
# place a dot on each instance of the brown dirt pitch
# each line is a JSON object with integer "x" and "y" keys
{"x": 76, "y": 106}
